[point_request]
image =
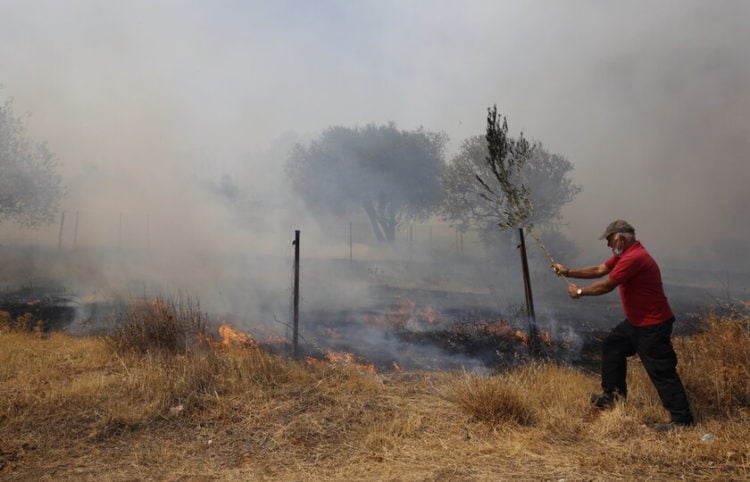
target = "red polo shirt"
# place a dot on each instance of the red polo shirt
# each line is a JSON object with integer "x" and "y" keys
{"x": 637, "y": 275}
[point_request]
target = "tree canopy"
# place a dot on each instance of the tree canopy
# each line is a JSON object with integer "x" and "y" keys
{"x": 30, "y": 188}
{"x": 392, "y": 175}
{"x": 543, "y": 175}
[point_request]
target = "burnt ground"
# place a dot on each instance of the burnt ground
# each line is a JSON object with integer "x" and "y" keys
{"x": 431, "y": 329}
{"x": 41, "y": 307}
{"x": 50, "y": 307}
{"x": 408, "y": 328}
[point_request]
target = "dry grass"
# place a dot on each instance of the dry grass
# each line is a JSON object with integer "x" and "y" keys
{"x": 158, "y": 325}
{"x": 25, "y": 322}
{"x": 719, "y": 378}
{"x": 87, "y": 409}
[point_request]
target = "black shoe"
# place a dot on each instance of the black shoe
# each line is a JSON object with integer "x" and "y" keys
{"x": 605, "y": 401}
{"x": 672, "y": 426}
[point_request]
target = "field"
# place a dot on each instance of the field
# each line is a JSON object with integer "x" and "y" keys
{"x": 156, "y": 401}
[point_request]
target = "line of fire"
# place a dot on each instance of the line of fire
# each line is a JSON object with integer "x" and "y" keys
{"x": 408, "y": 334}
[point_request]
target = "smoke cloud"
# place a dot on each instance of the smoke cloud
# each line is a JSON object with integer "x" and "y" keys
{"x": 148, "y": 104}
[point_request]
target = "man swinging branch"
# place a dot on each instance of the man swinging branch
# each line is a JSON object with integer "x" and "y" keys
{"x": 647, "y": 329}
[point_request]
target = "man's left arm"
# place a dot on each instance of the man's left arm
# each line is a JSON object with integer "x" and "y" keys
{"x": 601, "y": 287}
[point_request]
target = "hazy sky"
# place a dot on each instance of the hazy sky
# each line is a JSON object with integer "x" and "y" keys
{"x": 650, "y": 100}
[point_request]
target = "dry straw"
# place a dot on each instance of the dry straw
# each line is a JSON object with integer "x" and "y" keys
{"x": 75, "y": 409}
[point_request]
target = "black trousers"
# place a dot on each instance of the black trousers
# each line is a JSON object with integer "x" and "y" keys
{"x": 653, "y": 344}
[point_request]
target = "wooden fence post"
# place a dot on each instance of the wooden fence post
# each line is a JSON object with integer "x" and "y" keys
{"x": 295, "y": 299}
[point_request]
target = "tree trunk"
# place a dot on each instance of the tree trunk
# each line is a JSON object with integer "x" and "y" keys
{"x": 389, "y": 229}
{"x": 374, "y": 221}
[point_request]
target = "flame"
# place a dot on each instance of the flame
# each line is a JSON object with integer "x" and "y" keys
{"x": 405, "y": 314}
{"x": 278, "y": 340}
{"x": 341, "y": 358}
{"x": 313, "y": 361}
{"x": 229, "y": 337}
{"x": 430, "y": 315}
{"x": 521, "y": 336}
{"x": 498, "y": 328}
{"x": 541, "y": 336}
{"x": 501, "y": 329}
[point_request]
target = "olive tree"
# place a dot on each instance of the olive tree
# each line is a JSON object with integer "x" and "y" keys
{"x": 468, "y": 178}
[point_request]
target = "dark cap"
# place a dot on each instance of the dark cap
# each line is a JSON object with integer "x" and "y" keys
{"x": 618, "y": 226}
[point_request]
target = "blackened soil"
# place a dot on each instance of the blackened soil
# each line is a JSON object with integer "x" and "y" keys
{"x": 38, "y": 308}
{"x": 390, "y": 333}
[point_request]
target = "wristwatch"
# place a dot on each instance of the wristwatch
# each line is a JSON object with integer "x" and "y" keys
{"x": 579, "y": 291}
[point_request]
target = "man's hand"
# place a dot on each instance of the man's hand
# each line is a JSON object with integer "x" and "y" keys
{"x": 574, "y": 291}
{"x": 560, "y": 270}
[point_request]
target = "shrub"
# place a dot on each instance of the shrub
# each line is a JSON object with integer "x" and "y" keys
{"x": 715, "y": 364}
{"x": 493, "y": 400}
{"x": 159, "y": 325}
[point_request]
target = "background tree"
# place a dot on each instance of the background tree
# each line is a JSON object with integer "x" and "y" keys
{"x": 544, "y": 176}
{"x": 30, "y": 188}
{"x": 392, "y": 175}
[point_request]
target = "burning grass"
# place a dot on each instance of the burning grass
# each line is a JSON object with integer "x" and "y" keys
{"x": 408, "y": 335}
{"x": 88, "y": 409}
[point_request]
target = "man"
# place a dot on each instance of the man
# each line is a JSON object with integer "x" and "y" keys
{"x": 646, "y": 330}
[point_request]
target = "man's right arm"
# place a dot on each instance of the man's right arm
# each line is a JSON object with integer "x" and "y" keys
{"x": 589, "y": 272}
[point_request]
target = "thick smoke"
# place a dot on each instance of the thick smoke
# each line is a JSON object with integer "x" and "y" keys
{"x": 172, "y": 122}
